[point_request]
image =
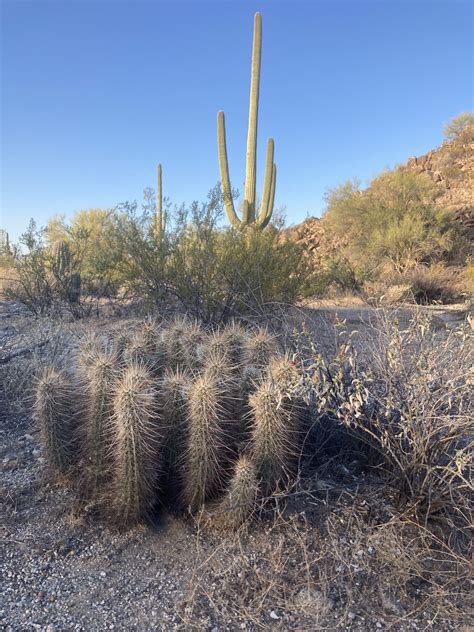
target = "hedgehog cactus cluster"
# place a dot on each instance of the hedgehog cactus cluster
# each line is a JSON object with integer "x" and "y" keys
{"x": 212, "y": 421}
{"x": 250, "y": 215}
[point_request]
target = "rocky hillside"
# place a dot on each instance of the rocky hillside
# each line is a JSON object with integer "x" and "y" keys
{"x": 450, "y": 166}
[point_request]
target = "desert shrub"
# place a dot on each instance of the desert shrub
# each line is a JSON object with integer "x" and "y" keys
{"x": 469, "y": 275}
{"x": 434, "y": 284}
{"x": 228, "y": 272}
{"x": 334, "y": 275}
{"x": 424, "y": 285}
{"x": 407, "y": 399}
{"x": 46, "y": 282}
{"x": 34, "y": 286}
{"x": 96, "y": 237}
{"x": 395, "y": 221}
{"x": 460, "y": 127}
{"x": 214, "y": 273}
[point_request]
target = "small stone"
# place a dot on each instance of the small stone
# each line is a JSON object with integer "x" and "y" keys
{"x": 103, "y": 574}
{"x": 351, "y": 615}
{"x": 273, "y": 615}
{"x": 10, "y": 462}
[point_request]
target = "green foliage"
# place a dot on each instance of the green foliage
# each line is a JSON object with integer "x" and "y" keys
{"x": 34, "y": 284}
{"x": 94, "y": 235}
{"x": 233, "y": 272}
{"x": 214, "y": 272}
{"x": 460, "y": 127}
{"x": 46, "y": 280}
{"x": 394, "y": 222}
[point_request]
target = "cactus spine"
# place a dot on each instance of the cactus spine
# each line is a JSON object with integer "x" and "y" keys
{"x": 176, "y": 412}
{"x": 249, "y": 214}
{"x": 53, "y": 404}
{"x": 274, "y": 434}
{"x": 240, "y": 500}
{"x": 206, "y": 444}
{"x": 136, "y": 447}
{"x": 100, "y": 379}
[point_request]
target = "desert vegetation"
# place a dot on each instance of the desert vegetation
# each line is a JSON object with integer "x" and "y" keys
{"x": 178, "y": 412}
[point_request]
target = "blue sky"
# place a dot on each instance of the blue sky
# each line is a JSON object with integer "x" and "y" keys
{"x": 95, "y": 93}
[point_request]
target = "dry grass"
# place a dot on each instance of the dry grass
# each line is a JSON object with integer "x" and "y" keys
{"x": 342, "y": 558}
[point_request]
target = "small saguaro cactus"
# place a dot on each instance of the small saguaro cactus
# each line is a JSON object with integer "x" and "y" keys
{"x": 249, "y": 213}
{"x": 75, "y": 287}
{"x": 61, "y": 258}
{"x": 68, "y": 282}
{"x": 161, "y": 216}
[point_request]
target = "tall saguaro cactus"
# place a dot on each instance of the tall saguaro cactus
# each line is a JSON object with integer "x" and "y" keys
{"x": 249, "y": 213}
{"x": 160, "y": 218}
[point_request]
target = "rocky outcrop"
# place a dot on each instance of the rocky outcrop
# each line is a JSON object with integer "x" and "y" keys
{"x": 450, "y": 166}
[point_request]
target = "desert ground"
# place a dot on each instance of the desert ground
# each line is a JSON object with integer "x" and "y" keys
{"x": 311, "y": 562}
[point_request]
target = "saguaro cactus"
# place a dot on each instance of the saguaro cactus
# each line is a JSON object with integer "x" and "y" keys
{"x": 61, "y": 257}
{"x": 160, "y": 214}
{"x": 249, "y": 214}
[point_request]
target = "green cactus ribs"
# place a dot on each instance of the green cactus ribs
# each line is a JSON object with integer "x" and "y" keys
{"x": 250, "y": 216}
{"x": 161, "y": 216}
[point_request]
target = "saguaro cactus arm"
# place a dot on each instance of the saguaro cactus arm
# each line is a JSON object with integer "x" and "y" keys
{"x": 263, "y": 220}
{"x": 224, "y": 169}
{"x": 251, "y": 162}
{"x": 267, "y": 182}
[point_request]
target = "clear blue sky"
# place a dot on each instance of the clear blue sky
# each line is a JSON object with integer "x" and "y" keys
{"x": 96, "y": 93}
